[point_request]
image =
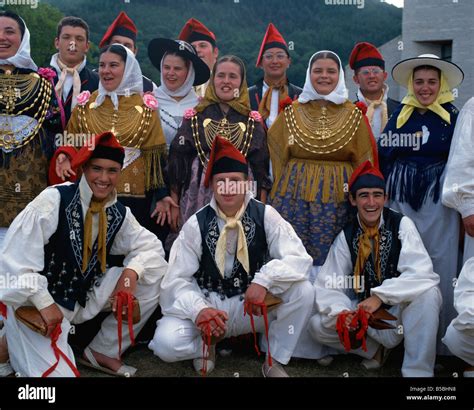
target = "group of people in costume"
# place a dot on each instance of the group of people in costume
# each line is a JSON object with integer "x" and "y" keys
{"x": 273, "y": 209}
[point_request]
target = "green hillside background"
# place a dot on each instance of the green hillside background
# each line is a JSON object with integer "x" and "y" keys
{"x": 310, "y": 25}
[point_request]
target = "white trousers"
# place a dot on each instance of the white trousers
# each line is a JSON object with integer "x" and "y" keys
{"x": 417, "y": 325}
{"x": 460, "y": 343}
{"x": 31, "y": 354}
{"x": 439, "y": 229}
{"x": 178, "y": 339}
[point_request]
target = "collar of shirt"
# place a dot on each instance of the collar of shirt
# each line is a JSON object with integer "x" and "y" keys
{"x": 54, "y": 64}
{"x": 361, "y": 97}
{"x": 213, "y": 203}
{"x": 85, "y": 192}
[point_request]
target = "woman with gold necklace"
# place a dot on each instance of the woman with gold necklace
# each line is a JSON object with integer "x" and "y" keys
{"x": 120, "y": 106}
{"x": 315, "y": 144}
{"x": 225, "y": 111}
{"x": 28, "y": 117}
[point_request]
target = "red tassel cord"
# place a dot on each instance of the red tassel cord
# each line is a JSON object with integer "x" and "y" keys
{"x": 124, "y": 298}
{"x": 205, "y": 326}
{"x": 359, "y": 321}
{"x": 263, "y": 310}
{"x": 59, "y": 353}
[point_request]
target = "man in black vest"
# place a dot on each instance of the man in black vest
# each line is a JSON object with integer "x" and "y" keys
{"x": 274, "y": 59}
{"x": 73, "y": 76}
{"x": 86, "y": 254}
{"x": 370, "y": 75}
{"x": 231, "y": 259}
{"x": 378, "y": 267}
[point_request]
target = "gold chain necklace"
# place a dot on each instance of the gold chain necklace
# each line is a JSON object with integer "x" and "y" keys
{"x": 232, "y": 132}
{"x": 239, "y": 134}
{"x": 130, "y": 127}
{"x": 304, "y": 140}
{"x": 17, "y": 87}
{"x": 324, "y": 125}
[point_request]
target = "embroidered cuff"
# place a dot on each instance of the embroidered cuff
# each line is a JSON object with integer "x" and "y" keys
{"x": 197, "y": 307}
{"x": 466, "y": 209}
{"x": 42, "y": 299}
{"x": 139, "y": 269}
{"x": 262, "y": 280}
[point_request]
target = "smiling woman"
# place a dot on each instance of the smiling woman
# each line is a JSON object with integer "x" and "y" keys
{"x": 29, "y": 113}
{"x": 224, "y": 111}
{"x": 120, "y": 106}
{"x": 315, "y": 143}
{"x": 415, "y": 173}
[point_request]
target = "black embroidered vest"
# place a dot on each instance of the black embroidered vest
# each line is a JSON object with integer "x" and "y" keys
{"x": 63, "y": 253}
{"x": 390, "y": 247}
{"x": 208, "y": 276}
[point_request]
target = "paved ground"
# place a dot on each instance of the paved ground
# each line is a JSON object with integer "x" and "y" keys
{"x": 244, "y": 362}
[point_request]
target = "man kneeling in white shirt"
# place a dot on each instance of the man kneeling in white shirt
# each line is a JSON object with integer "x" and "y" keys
{"x": 229, "y": 258}
{"x": 378, "y": 261}
{"x": 73, "y": 252}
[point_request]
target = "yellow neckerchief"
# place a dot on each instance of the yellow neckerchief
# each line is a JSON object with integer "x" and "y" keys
{"x": 76, "y": 80}
{"x": 365, "y": 249}
{"x": 265, "y": 105}
{"x": 242, "y": 250}
{"x": 372, "y": 105}
{"x": 94, "y": 208}
{"x": 444, "y": 95}
{"x": 241, "y": 103}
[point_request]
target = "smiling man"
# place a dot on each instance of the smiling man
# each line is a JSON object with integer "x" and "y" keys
{"x": 274, "y": 59}
{"x": 370, "y": 76}
{"x": 86, "y": 254}
{"x": 228, "y": 261}
{"x": 382, "y": 254}
{"x": 73, "y": 76}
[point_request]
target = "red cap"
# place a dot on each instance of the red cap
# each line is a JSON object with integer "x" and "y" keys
{"x": 194, "y": 30}
{"x": 224, "y": 158}
{"x": 365, "y": 54}
{"x": 122, "y": 26}
{"x": 104, "y": 145}
{"x": 272, "y": 38}
{"x": 366, "y": 176}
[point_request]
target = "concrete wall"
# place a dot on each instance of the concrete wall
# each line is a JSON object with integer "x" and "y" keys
{"x": 442, "y": 20}
{"x": 426, "y": 22}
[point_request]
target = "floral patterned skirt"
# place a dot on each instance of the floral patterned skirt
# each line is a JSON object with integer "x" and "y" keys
{"x": 316, "y": 223}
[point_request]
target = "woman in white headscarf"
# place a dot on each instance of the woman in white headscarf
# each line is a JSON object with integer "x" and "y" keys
{"x": 315, "y": 144}
{"x": 180, "y": 69}
{"x": 120, "y": 106}
{"x": 28, "y": 112}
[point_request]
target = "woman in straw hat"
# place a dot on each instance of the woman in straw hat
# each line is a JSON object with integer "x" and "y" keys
{"x": 413, "y": 151}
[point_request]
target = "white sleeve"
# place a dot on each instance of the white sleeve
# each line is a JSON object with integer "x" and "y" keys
{"x": 330, "y": 284}
{"x": 22, "y": 255}
{"x": 414, "y": 265}
{"x": 458, "y": 187}
{"x": 143, "y": 250}
{"x": 180, "y": 293}
{"x": 289, "y": 261}
{"x": 464, "y": 297}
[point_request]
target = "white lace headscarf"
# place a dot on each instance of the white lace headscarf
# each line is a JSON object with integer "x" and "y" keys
{"x": 22, "y": 58}
{"x": 132, "y": 81}
{"x": 185, "y": 87}
{"x": 338, "y": 96}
